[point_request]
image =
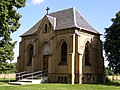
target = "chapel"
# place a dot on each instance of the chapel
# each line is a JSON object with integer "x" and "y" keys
{"x": 65, "y": 46}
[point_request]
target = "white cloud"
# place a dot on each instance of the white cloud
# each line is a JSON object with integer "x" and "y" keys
{"x": 37, "y": 1}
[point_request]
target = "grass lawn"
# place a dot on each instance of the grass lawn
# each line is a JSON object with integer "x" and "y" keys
{"x": 109, "y": 86}
{"x": 61, "y": 87}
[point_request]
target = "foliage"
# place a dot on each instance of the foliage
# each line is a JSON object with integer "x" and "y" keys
{"x": 9, "y": 23}
{"x": 106, "y": 71}
{"x": 12, "y": 68}
{"x": 107, "y": 80}
{"x": 112, "y": 44}
{"x": 8, "y": 68}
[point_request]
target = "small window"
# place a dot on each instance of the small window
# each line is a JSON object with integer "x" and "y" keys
{"x": 46, "y": 28}
{"x": 93, "y": 78}
{"x": 88, "y": 78}
{"x": 61, "y": 79}
{"x": 58, "y": 79}
{"x": 65, "y": 79}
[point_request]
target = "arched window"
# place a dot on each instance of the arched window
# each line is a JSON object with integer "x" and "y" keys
{"x": 87, "y": 54}
{"x": 46, "y": 49}
{"x": 64, "y": 53}
{"x": 46, "y": 28}
{"x": 30, "y": 55}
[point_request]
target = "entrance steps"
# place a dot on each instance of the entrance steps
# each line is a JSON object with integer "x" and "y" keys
{"x": 37, "y": 77}
{"x": 30, "y": 81}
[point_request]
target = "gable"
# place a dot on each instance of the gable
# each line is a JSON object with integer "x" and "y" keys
{"x": 40, "y": 25}
{"x": 46, "y": 25}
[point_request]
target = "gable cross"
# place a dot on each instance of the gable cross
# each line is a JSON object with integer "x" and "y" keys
{"x": 47, "y": 9}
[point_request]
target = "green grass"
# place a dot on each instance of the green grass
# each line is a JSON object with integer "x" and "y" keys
{"x": 62, "y": 87}
{"x": 109, "y": 86}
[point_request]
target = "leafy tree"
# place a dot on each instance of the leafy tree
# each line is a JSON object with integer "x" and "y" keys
{"x": 12, "y": 68}
{"x": 112, "y": 44}
{"x": 8, "y": 68}
{"x": 9, "y": 23}
{"x": 106, "y": 71}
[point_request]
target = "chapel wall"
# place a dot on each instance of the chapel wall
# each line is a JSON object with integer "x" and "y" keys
{"x": 61, "y": 73}
{"x": 94, "y": 72}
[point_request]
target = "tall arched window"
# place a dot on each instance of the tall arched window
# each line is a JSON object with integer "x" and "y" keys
{"x": 46, "y": 28}
{"x": 87, "y": 54}
{"x": 30, "y": 55}
{"x": 64, "y": 53}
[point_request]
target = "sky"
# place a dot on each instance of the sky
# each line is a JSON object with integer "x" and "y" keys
{"x": 97, "y": 12}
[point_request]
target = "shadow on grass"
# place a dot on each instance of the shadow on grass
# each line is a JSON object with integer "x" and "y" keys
{"x": 112, "y": 83}
{"x": 6, "y": 80}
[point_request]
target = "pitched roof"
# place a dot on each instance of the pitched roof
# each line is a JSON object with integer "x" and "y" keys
{"x": 33, "y": 30}
{"x": 67, "y": 18}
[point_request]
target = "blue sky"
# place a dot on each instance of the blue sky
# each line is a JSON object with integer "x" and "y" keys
{"x": 97, "y": 12}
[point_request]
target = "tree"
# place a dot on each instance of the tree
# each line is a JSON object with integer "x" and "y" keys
{"x": 9, "y": 23}
{"x": 9, "y": 68}
{"x": 112, "y": 44}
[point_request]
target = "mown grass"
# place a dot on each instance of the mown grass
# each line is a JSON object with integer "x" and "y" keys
{"x": 108, "y": 86}
{"x": 61, "y": 87}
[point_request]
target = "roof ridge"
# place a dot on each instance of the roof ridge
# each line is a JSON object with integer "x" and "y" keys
{"x": 74, "y": 16}
{"x": 52, "y": 22}
{"x": 61, "y": 10}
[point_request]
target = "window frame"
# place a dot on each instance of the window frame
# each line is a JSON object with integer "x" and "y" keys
{"x": 87, "y": 54}
{"x": 63, "y": 54}
{"x": 30, "y": 54}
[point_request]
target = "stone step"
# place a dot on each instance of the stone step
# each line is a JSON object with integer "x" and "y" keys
{"x": 30, "y": 81}
{"x": 34, "y": 77}
{"x": 19, "y": 83}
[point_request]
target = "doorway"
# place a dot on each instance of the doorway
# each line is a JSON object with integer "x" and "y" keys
{"x": 45, "y": 62}
{"x": 46, "y": 50}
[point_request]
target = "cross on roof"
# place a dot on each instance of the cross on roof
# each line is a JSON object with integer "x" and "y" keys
{"x": 47, "y": 9}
